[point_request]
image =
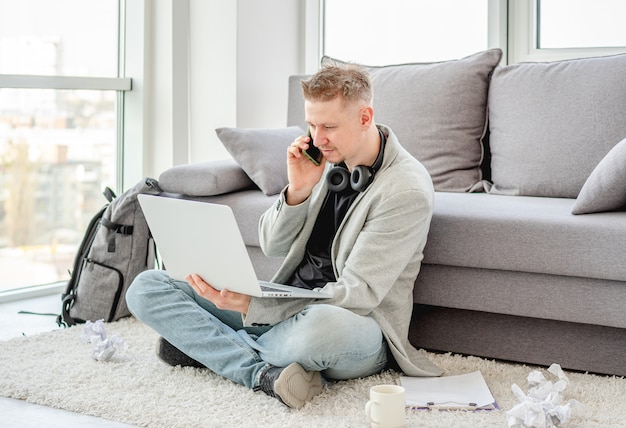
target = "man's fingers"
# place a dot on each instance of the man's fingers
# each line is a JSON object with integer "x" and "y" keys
{"x": 222, "y": 299}
{"x": 199, "y": 285}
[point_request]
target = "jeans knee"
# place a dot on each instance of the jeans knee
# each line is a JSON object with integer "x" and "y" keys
{"x": 344, "y": 328}
{"x": 144, "y": 284}
{"x": 334, "y": 340}
{"x": 325, "y": 315}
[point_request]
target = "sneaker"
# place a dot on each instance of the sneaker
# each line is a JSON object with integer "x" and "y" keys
{"x": 171, "y": 355}
{"x": 292, "y": 385}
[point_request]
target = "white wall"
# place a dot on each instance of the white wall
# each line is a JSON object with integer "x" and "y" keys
{"x": 268, "y": 51}
{"x": 212, "y": 69}
{"x": 209, "y": 64}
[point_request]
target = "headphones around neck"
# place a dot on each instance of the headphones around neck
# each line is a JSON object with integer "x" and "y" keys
{"x": 338, "y": 177}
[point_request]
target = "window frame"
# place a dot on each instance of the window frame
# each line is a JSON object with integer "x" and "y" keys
{"x": 522, "y": 41}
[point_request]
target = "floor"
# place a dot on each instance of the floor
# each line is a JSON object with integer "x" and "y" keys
{"x": 41, "y": 317}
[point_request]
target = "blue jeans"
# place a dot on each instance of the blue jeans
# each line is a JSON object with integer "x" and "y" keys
{"x": 325, "y": 338}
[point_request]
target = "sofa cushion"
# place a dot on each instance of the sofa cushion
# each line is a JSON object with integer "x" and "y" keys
{"x": 605, "y": 189}
{"x": 262, "y": 153}
{"x": 438, "y": 111}
{"x": 525, "y": 234}
{"x": 551, "y": 123}
{"x": 205, "y": 178}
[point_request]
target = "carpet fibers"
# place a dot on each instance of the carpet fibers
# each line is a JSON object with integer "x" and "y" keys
{"x": 56, "y": 369}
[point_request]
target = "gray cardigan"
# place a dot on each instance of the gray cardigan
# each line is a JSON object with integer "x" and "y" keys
{"x": 376, "y": 253}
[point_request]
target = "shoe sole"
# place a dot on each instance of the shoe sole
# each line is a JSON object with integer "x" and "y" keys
{"x": 295, "y": 386}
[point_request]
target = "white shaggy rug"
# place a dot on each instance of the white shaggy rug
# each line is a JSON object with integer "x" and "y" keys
{"x": 56, "y": 369}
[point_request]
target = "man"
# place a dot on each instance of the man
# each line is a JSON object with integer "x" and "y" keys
{"x": 362, "y": 241}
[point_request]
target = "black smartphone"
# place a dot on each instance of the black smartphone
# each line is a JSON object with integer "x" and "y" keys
{"x": 313, "y": 153}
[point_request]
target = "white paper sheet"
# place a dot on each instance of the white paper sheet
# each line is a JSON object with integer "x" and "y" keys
{"x": 467, "y": 391}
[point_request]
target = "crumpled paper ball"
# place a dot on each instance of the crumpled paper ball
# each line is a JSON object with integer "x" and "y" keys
{"x": 103, "y": 348}
{"x": 544, "y": 405}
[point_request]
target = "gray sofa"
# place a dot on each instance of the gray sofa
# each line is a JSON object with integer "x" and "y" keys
{"x": 509, "y": 271}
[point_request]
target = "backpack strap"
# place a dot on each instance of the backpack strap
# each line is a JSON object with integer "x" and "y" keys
{"x": 109, "y": 194}
{"x": 64, "y": 319}
{"x": 117, "y": 228}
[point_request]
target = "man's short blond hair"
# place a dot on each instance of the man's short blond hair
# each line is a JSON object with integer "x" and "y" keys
{"x": 349, "y": 81}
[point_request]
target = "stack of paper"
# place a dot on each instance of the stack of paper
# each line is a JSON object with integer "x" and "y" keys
{"x": 461, "y": 392}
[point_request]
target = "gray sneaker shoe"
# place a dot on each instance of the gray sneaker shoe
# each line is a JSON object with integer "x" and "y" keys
{"x": 292, "y": 385}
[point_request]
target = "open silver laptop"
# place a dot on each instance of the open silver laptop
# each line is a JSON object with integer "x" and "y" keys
{"x": 203, "y": 238}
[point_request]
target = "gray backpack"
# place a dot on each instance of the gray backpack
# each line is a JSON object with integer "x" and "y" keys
{"x": 116, "y": 247}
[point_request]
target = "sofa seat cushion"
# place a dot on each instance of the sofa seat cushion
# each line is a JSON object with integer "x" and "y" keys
{"x": 526, "y": 234}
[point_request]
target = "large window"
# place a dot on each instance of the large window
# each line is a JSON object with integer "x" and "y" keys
{"x": 376, "y": 32}
{"x": 60, "y": 99}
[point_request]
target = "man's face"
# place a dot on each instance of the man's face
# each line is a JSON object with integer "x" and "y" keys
{"x": 336, "y": 128}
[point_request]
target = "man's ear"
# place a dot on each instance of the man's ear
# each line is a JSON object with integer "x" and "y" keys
{"x": 367, "y": 116}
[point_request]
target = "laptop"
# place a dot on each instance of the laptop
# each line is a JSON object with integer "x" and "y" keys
{"x": 203, "y": 238}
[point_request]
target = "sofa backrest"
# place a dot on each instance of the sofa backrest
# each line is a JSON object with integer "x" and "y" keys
{"x": 295, "y": 106}
{"x": 549, "y": 124}
{"x": 552, "y": 123}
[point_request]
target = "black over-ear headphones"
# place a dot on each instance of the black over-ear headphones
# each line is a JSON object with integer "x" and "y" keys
{"x": 338, "y": 177}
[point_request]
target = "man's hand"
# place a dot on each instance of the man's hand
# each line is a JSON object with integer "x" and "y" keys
{"x": 303, "y": 174}
{"x": 222, "y": 299}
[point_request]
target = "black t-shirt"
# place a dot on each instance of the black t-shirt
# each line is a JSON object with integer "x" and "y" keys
{"x": 316, "y": 268}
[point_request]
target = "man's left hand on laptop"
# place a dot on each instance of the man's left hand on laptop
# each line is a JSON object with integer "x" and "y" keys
{"x": 222, "y": 299}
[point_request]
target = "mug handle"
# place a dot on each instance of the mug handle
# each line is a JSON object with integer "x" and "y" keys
{"x": 368, "y": 411}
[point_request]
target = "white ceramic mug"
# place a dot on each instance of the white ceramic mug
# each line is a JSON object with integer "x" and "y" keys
{"x": 385, "y": 409}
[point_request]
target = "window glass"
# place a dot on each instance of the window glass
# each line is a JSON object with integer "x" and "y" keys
{"x": 581, "y": 23}
{"x": 58, "y": 148}
{"x": 57, "y": 152}
{"x": 60, "y": 37}
{"x": 377, "y": 32}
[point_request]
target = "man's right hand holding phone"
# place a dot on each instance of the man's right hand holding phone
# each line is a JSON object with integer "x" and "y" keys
{"x": 303, "y": 170}
{"x": 312, "y": 153}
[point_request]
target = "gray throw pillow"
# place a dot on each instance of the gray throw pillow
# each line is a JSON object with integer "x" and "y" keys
{"x": 438, "y": 111}
{"x": 262, "y": 153}
{"x": 205, "y": 178}
{"x": 605, "y": 189}
{"x": 551, "y": 123}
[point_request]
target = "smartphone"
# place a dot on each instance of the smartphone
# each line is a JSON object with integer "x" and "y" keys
{"x": 313, "y": 153}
